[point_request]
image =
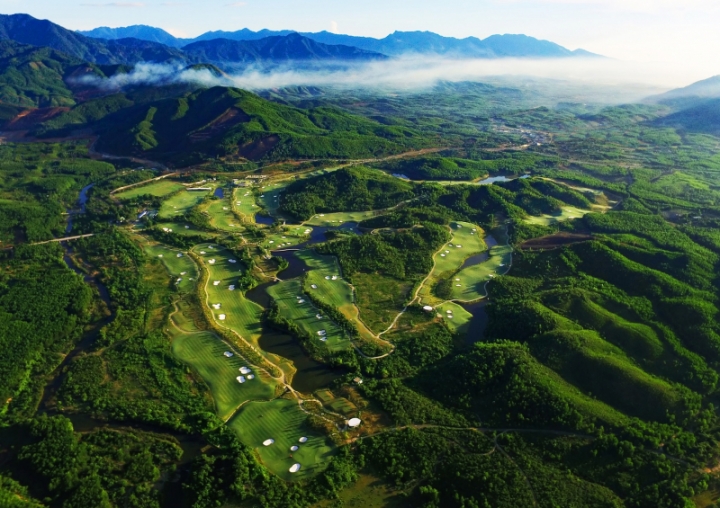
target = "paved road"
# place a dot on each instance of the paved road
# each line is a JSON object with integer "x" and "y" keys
{"x": 67, "y": 238}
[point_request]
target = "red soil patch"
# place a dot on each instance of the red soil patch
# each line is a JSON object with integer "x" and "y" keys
{"x": 30, "y": 117}
{"x": 227, "y": 120}
{"x": 257, "y": 149}
{"x": 554, "y": 241}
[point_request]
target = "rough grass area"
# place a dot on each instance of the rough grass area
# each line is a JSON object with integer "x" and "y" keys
{"x": 336, "y": 219}
{"x": 181, "y": 203}
{"x": 338, "y": 293}
{"x": 283, "y": 421}
{"x": 379, "y": 299}
{"x": 158, "y": 189}
{"x": 297, "y": 308}
{"x": 203, "y": 351}
{"x": 567, "y": 213}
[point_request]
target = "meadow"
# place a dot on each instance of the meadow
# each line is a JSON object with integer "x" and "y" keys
{"x": 567, "y": 213}
{"x": 283, "y": 421}
{"x": 338, "y": 218}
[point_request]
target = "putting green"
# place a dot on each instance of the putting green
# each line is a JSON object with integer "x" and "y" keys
{"x": 181, "y": 268}
{"x": 298, "y": 309}
{"x": 567, "y": 213}
{"x": 284, "y": 422}
{"x": 469, "y": 284}
{"x": 181, "y": 203}
{"x": 458, "y": 320}
{"x": 337, "y": 293}
{"x": 204, "y": 351}
{"x": 339, "y": 218}
{"x": 158, "y": 189}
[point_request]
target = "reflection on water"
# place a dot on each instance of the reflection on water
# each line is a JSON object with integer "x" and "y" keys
{"x": 310, "y": 375}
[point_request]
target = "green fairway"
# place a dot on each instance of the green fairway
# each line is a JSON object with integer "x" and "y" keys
{"x": 269, "y": 196}
{"x": 567, "y": 213}
{"x": 469, "y": 284}
{"x": 182, "y": 228}
{"x": 458, "y": 320}
{"x": 284, "y": 422}
{"x": 298, "y": 309}
{"x": 466, "y": 242}
{"x": 287, "y": 236}
{"x": 204, "y": 351}
{"x": 337, "y": 293}
{"x": 336, "y": 219}
{"x": 244, "y": 203}
{"x": 158, "y": 189}
{"x": 180, "y": 267}
{"x": 221, "y": 215}
{"x": 181, "y": 203}
{"x": 241, "y": 315}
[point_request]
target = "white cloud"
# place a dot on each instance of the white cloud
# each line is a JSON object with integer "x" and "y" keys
{"x": 334, "y": 27}
{"x": 116, "y": 4}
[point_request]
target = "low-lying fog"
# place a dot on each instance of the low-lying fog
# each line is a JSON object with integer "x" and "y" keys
{"x": 629, "y": 81}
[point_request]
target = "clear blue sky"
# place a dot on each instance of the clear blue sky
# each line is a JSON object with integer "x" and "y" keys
{"x": 679, "y": 32}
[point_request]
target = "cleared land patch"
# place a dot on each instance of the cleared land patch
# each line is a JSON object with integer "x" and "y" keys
{"x": 567, "y": 213}
{"x": 284, "y": 422}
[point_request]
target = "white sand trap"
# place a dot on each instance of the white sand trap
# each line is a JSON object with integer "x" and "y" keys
{"x": 319, "y": 316}
{"x": 233, "y": 261}
{"x": 212, "y": 261}
{"x": 327, "y": 277}
{"x": 231, "y": 288}
{"x": 240, "y": 379}
{"x": 202, "y": 252}
{"x": 501, "y": 264}
{"x": 228, "y": 354}
{"x": 251, "y": 376}
{"x": 216, "y": 306}
{"x": 323, "y": 339}
{"x": 159, "y": 255}
{"x": 449, "y": 311}
{"x": 322, "y": 215}
{"x": 303, "y": 439}
{"x": 313, "y": 286}
{"x": 459, "y": 225}
{"x": 225, "y": 207}
{"x": 354, "y": 422}
{"x": 322, "y": 333}
{"x": 459, "y": 246}
{"x": 268, "y": 442}
{"x": 187, "y": 227}
{"x": 447, "y": 252}
{"x": 178, "y": 281}
{"x": 271, "y": 241}
{"x": 301, "y": 301}
{"x": 216, "y": 283}
{"x": 294, "y": 468}
{"x": 294, "y": 448}
{"x": 443, "y": 255}
{"x": 334, "y": 277}
{"x": 458, "y": 285}
{"x": 457, "y": 280}
{"x": 165, "y": 229}
{"x": 427, "y": 308}
{"x": 179, "y": 255}
{"x": 183, "y": 273}
{"x": 221, "y": 317}
{"x": 245, "y": 370}
{"x": 450, "y": 316}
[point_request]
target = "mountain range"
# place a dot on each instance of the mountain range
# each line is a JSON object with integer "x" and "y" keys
{"x": 397, "y": 43}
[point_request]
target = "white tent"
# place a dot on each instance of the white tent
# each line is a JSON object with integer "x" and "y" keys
{"x": 354, "y": 422}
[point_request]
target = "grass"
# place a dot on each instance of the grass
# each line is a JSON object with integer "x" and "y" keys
{"x": 180, "y": 268}
{"x": 337, "y": 293}
{"x": 367, "y": 492}
{"x": 283, "y": 421}
{"x": 288, "y": 295}
{"x": 269, "y": 196}
{"x": 286, "y": 237}
{"x": 221, "y": 215}
{"x": 379, "y": 299}
{"x": 203, "y": 351}
{"x": 473, "y": 278}
{"x": 567, "y": 213}
{"x": 343, "y": 406}
{"x": 160, "y": 188}
{"x": 245, "y": 204}
{"x": 181, "y": 228}
{"x": 181, "y": 203}
{"x": 460, "y": 319}
{"x": 336, "y": 219}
